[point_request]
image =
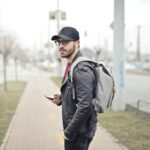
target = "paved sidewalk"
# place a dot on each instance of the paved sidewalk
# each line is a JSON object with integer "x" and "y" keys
{"x": 37, "y": 123}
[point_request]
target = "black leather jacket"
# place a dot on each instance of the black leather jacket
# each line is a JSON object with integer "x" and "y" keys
{"x": 78, "y": 114}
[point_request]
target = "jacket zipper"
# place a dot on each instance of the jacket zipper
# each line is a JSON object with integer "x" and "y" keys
{"x": 67, "y": 91}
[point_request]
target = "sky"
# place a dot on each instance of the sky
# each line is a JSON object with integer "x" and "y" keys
{"x": 28, "y": 19}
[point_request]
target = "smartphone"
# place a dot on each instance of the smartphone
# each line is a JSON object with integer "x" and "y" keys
{"x": 49, "y": 98}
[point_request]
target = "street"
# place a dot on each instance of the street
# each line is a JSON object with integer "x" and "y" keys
{"x": 23, "y": 74}
{"x": 137, "y": 88}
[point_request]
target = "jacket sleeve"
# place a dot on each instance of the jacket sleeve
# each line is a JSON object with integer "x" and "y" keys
{"x": 84, "y": 81}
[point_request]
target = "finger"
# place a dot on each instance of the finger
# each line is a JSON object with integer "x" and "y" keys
{"x": 56, "y": 101}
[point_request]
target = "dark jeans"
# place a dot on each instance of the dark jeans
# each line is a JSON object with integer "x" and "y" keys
{"x": 80, "y": 143}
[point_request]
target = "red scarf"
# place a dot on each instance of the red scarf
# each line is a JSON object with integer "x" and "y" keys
{"x": 67, "y": 70}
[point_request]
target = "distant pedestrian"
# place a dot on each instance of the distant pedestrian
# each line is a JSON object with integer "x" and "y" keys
{"x": 79, "y": 117}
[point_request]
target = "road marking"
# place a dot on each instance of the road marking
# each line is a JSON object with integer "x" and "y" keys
{"x": 53, "y": 116}
{"x": 60, "y": 138}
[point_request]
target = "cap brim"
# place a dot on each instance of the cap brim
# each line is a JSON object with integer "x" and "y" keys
{"x": 56, "y": 37}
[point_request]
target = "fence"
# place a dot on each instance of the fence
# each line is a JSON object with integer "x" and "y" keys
{"x": 139, "y": 102}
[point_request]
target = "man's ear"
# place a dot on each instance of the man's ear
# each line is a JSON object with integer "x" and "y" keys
{"x": 77, "y": 44}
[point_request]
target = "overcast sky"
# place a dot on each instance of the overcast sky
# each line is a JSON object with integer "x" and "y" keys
{"x": 29, "y": 20}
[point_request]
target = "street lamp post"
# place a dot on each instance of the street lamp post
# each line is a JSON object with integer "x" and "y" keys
{"x": 119, "y": 56}
{"x": 58, "y": 16}
{"x": 138, "y": 53}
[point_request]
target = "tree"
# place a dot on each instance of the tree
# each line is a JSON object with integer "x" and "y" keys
{"x": 6, "y": 46}
{"x": 15, "y": 54}
{"x": 98, "y": 51}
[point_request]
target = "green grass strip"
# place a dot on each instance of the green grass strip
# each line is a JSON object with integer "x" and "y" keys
{"x": 8, "y": 103}
{"x": 132, "y": 130}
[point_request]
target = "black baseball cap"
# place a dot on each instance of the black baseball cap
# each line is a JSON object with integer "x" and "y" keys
{"x": 67, "y": 33}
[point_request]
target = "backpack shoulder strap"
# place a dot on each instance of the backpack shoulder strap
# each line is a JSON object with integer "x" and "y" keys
{"x": 74, "y": 64}
{"x": 78, "y": 60}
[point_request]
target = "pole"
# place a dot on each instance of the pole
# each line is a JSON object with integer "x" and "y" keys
{"x": 48, "y": 47}
{"x": 119, "y": 57}
{"x": 58, "y": 16}
{"x": 138, "y": 55}
{"x": 58, "y": 26}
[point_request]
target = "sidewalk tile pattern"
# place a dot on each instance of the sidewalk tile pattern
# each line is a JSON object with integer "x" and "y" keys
{"x": 37, "y": 123}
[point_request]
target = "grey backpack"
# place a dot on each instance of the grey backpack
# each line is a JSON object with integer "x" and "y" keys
{"x": 105, "y": 87}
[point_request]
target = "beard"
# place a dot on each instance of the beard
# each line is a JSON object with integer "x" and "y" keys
{"x": 67, "y": 53}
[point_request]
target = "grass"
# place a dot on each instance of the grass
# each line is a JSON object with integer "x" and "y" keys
{"x": 8, "y": 103}
{"x": 132, "y": 130}
{"x": 56, "y": 80}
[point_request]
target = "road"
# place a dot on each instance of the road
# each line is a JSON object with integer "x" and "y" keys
{"x": 23, "y": 73}
{"x": 137, "y": 87}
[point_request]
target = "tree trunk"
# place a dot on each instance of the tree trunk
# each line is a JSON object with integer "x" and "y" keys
{"x": 5, "y": 72}
{"x": 16, "y": 70}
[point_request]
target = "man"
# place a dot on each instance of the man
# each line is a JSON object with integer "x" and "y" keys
{"x": 79, "y": 117}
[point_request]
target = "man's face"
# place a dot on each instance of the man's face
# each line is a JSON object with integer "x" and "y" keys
{"x": 66, "y": 48}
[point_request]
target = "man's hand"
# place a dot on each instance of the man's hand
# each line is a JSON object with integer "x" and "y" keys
{"x": 57, "y": 99}
{"x": 63, "y": 136}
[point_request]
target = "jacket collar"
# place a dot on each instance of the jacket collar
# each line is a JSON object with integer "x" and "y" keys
{"x": 79, "y": 54}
